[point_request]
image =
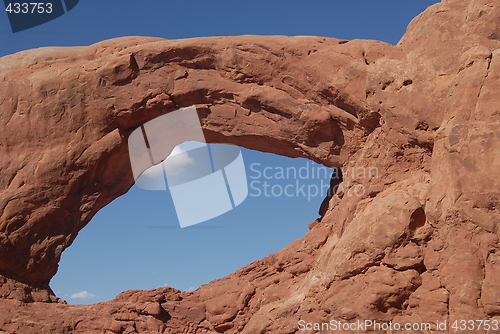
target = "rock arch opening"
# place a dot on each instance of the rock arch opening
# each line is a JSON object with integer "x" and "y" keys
{"x": 135, "y": 242}
{"x": 80, "y": 167}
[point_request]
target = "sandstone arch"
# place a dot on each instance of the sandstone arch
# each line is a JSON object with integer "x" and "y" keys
{"x": 424, "y": 112}
{"x": 105, "y": 91}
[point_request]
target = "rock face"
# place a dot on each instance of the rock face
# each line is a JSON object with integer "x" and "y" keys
{"x": 411, "y": 236}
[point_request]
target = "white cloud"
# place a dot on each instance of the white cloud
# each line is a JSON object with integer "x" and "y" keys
{"x": 191, "y": 289}
{"x": 83, "y": 295}
{"x": 154, "y": 171}
{"x": 176, "y": 162}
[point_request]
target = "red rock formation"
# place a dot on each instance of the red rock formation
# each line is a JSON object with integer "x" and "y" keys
{"x": 411, "y": 236}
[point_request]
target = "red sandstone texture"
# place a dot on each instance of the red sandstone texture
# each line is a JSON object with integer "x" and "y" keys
{"x": 419, "y": 245}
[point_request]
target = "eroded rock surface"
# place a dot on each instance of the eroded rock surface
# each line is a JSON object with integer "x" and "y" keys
{"x": 410, "y": 236}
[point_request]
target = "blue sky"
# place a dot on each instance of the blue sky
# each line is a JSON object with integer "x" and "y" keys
{"x": 136, "y": 242}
